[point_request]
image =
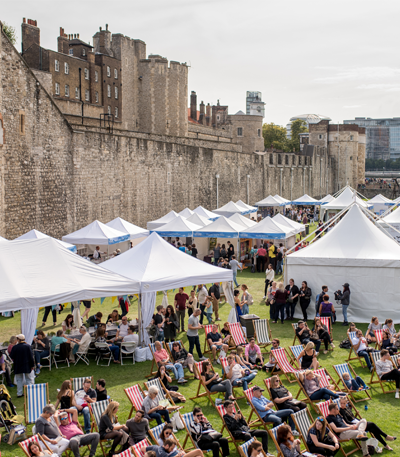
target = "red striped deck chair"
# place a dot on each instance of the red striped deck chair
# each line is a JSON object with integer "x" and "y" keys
{"x": 34, "y": 439}
{"x": 325, "y": 381}
{"x": 327, "y": 321}
{"x": 237, "y": 334}
{"x": 198, "y": 367}
{"x": 136, "y": 396}
{"x": 257, "y": 423}
{"x": 137, "y": 448}
{"x": 281, "y": 358}
{"x": 379, "y": 338}
{"x": 224, "y": 364}
{"x": 323, "y": 409}
{"x": 127, "y": 453}
{"x": 347, "y": 368}
{"x": 207, "y": 330}
{"x": 222, "y": 411}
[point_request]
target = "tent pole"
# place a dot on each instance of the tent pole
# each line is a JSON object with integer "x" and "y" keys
{"x": 141, "y": 337}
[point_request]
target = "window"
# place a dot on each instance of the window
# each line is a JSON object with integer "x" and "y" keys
{"x": 1, "y": 133}
{"x": 351, "y": 137}
{"x": 294, "y": 160}
{"x": 56, "y": 65}
{"x": 310, "y": 160}
{"x": 66, "y": 68}
{"x": 109, "y": 109}
{"x": 305, "y": 160}
{"x": 57, "y": 89}
{"x": 96, "y": 97}
{"x": 259, "y": 132}
{"x": 168, "y": 177}
{"x": 87, "y": 96}
{"x": 71, "y": 52}
{"x": 286, "y": 160}
{"x": 96, "y": 76}
{"x": 271, "y": 159}
{"x": 240, "y": 131}
{"x": 320, "y": 137}
{"x": 351, "y": 157}
{"x": 66, "y": 90}
{"x": 83, "y": 51}
{"x": 218, "y": 117}
{"x": 22, "y": 122}
{"x": 86, "y": 73}
{"x": 108, "y": 91}
{"x": 77, "y": 92}
{"x": 279, "y": 159}
{"x": 115, "y": 73}
{"x": 108, "y": 71}
{"x": 299, "y": 160}
{"x": 116, "y": 112}
{"x": 116, "y": 93}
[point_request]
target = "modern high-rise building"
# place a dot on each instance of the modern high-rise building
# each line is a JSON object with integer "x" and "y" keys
{"x": 254, "y": 104}
{"x": 382, "y": 137}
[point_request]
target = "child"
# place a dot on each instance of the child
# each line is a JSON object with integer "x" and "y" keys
{"x": 209, "y": 310}
{"x": 354, "y": 384}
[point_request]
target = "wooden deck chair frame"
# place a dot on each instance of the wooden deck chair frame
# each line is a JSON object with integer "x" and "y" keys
{"x": 258, "y": 423}
{"x": 267, "y": 383}
{"x": 128, "y": 391}
{"x": 207, "y": 330}
{"x": 136, "y": 447}
{"x": 44, "y": 390}
{"x": 272, "y": 434}
{"x": 320, "y": 410}
{"x": 379, "y": 338}
{"x": 234, "y": 328}
{"x": 163, "y": 393}
{"x": 282, "y": 365}
{"x": 168, "y": 347}
{"x": 303, "y": 430}
{"x": 356, "y": 356}
{"x": 222, "y": 411}
{"x": 95, "y": 425}
{"x": 197, "y": 370}
{"x": 153, "y": 350}
{"x": 374, "y": 373}
{"x": 294, "y": 327}
{"x": 262, "y": 332}
{"x": 224, "y": 364}
{"x": 294, "y": 352}
{"x": 243, "y": 448}
{"x": 127, "y": 453}
{"x": 186, "y": 418}
{"x": 34, "y": 438}
{"x": 353, "y": 374}
{"x": 155, "y": 433}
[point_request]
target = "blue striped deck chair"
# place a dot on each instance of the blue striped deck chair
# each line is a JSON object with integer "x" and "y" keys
{"x": 170, "y": 344}
{"x": 355, "y": 356}
{"x": 296, "y": 351}
{"x": 262, "y": 332}
{"x": 375, "y": 356}
{"x": 303, "y": 420}
{"x": 347, "y": 368}
{"x": 273, "y": 434}
{"x": 243, "y": 449}
{"x": 163, "y": 393}
{"x": 36, "y": 397}
{"x": 155, "y": 434}
{"x": 77, "y": 383}
{"x": 96, "y": 411}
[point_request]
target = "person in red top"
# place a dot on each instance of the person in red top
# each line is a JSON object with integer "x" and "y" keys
{"x": 261, "y": 257}
{"x": 162, "y": 359}
{"x": 74, "y": 434}
{"x": 180, "y": 305}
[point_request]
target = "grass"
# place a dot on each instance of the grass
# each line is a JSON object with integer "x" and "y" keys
{"x": 382, "y": 409}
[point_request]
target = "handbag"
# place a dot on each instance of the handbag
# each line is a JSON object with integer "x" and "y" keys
{"x": 177, "y": 422}
{"x": 17, "y": 433}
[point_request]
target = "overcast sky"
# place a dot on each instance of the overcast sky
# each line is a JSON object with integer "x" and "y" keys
{"x": 339, "y": 58}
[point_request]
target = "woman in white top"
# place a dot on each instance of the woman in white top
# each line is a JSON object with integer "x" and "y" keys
{"x": 68, "y": 324}
{"x": 269, "y": 277}
{"x": 374, "y": 325}
{"x": 389, "y": 326}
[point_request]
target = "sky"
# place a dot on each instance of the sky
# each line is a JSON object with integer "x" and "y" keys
{"x": 339, "y": 59}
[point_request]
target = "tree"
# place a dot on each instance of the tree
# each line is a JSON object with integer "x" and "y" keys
{"x": 274, "y": 136}
{"x": 10, "y": 33}
{"x": 298, "y": 126}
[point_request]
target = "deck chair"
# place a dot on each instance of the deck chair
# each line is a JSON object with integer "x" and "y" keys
{"x": 187, "y": 418}
{"x": 224, "y": 364}
{"x": 153, "y": 362}
{"x": 198, "y": 367}
{"x": 127, "y": 453}
{"x": 96, "y": 410}
{"x": 207, "y": 330}
{"x": 243, "y": 448}
{"x": 77, "y": 383}
{"x": 323, "y": 409}
{"x": 136, "y": 396}
{"x": 237, "y": 334}
{"x": 326, "y": 381}
{"x": 352, "y": 351}
{"x": 262, "y": 332}
{"x": 36, "y": 397}
{"x": 294, "y": 326}
{"x": 155, "y": 434}
{"x": 303, "y": 420}
{"x": 257, "y": 423}
{"x": 347, "y": 368}
{"x": 375, "y": 356}
{"x": 327, "y": 321}
{"x": 296, "y": 351}
{"x": 222, "y": 411}
{"x": 281, "y": 358}
{"x": 136, "y": 448}
{"x": 273, "y": 433}
{"x": 379, "y": 338}
{"x": 34, "y": 439}
{"x": 267, "y": 383}
{"x": 163, "y": 393}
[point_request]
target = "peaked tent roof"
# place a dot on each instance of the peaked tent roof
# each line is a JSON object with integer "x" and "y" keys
{"x": 221, "y": 228}
{"x": 268, "y": 229}
{"x": 199, "y": 220}
{"x": 354, "y": 242}
{"x": 396, "y": 200}
{"x": 43, "y": 273}
{"x": 3, "y": 239}
{"x": 269, "y": 201}
{"x": 229, "y": 209}
{"x": 286, "y": 222}
{"x": 306, "y": 200}
{"x": 126, "y": 227}
{"x": 177, "y": 227}
{"x": 248, "y": 208}
{"x": 186, "y": 213}
{"x": 328, "y": 198}
{"x": 163, "y": 220}
{"x": 241, "y": 220}
{"x": 345, "y": 199}
{"x": 35, "y": 234}
{"x": 205, "y": 213}
{"x": 96, "y": 233}
{"x": 157, "y": 265}
{"x": 381, "y": 199}
{"x": 281, "y": 199}
{"x": 393, "y": 217}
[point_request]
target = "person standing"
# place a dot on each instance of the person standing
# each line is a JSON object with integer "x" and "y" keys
{"x": 272, "y": 254}
{"x": 281, "y": 295}
{"x": 96, "y": 253}
{"x": 47, "y": 311}
{"x": 344, "y": 298}
{"x": 261, "y": 256}
{"x": 269, "y": 277}
{"x": 192, "y": 303}
{"x": 217, "y": 250}
{"x": 202, "y": 295}
{"x": 279, "y": 261}
{"x": 234, "y": 266}
{"x": 305, "y": 298}
{"x": 180, "y": 305}
{"x": 215, "y": 295}
{"x": 320, "y": 299}
{"x": 231, "y": 250}
{"x": 193, "y": 333}
{"x": 160, "y": 323}
{"x": 24, "y": 364}
{"x": 194, "y": 251}
{"x": 293, "y": 296}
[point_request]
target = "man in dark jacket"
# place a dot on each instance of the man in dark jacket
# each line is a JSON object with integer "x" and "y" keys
{"x": 23, "y": 364}
{"x": 237, "y": 425}
{"x": 292, "y": 299}
{"x": 215, "y": 295}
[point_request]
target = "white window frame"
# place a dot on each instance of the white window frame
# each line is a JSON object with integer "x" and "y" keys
{"x": 87, "y": 95}
{"x": 96, "y": 97}
{"x": 56, "y": 65}
{"x": 116, "y": 112}
{"x": 108, "y": 91}
{"x": 77, "y": 93}
{"x": 108, "y": 109}
{"x": 57, "y": 89}
{"x": 66, "y": 68}
{"x": 83, "y": 51}
{"x": 66, "y": 89}
{"x": 86, "y": 73}
{"x": 96, "y": 76}
{"x": 108, "y": 71}
{"x": 71, "y": 51}
{"x": 115, "y": 73}
{"x": 116, "y": 92}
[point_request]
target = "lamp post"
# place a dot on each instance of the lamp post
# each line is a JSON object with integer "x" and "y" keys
{"x": 291, "y": 182}
{"x": 217, "y": 176}
{"x": 248, "y": 189}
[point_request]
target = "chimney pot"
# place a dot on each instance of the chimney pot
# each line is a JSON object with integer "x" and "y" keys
{"x": 24, "y": 20}
{"x": 100, "y": 29}
{"x": 106, "y": 26}
{"x": 74, "y": 35}
{"x": 77, "y": 35}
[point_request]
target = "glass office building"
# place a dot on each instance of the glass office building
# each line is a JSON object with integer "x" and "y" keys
{"x": 382, "y": 137}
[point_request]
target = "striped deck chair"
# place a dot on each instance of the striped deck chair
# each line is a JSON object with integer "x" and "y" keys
{"x": 327, "y": 321}
{"x": 96, "y": 410}
{"x": 352, "y": 351}
{"x": 243, "y": 449}
{"x": 303, "y": 420}
{"x": 379, "y": 338}
{"x": 323, "y": 409}
{"x": 36, "y": 397}
{"x": 222, "y": 411}
{"x": 262, "y": 332}
{"x": 294, "y": 326}
{"x": 163, "y": 393}
{"x": 155, "y": 434}
{"x": 77, "y": 383}
{"x": 136, "y": 396}
{"x": 267, "y": 382}
{"x": 257, "y": 423}
{"x": 237, "y": 334}
{"x": 169, "y": 346}
{"x": 273, "y": 433}
{"x": 198, "y": 367}
{"x": 347, "y": 368}
{"x": 137, "y": 448}
{"x": 281, "y": 358}
{"x": 127, "y": 453}
{"x": 153, "y": 362}
{"x": 224, "y": 364}
{"x": 207, "y": 330}
{"x": 325, "y": 381}
{"x": 375, "y": 356}
{"x": 296, "y": 351}
{"x": 34, "y": 439}
{"x": 187, "y": 418}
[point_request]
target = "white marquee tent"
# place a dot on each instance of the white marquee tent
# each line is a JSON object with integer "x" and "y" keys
{"x": 205, "y": 213}
{"x": 344, "y": 200}
{"x": 282, "y": 200}
{"x": 286, "y": 222}
{"x": 221, "y": 228}
{"x": 35, "y": 234}
{"x": 391, "y": 223}
{"x": 126, "y": 227}
{"x": 229, "y": 209}
{"x": 186, "y": 213}
{"x": 249, "y": 209}
{"x": 267, "y": 229}
{"x": 328, "y": 198}
{"x": 306, "y": 200}
{"x": 199, "y": 220}
{"x": 96, "y": 233}
{"x": 163, "y": 220}
{"x": 177, "y": 227}
{"x": 269, "y": 201}
{"x": 241, "y": 220}
{"x": 380, "y": 203}
{"x": 358, "y": 252}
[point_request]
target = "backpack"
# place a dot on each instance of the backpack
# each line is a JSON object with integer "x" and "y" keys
{"x": 250, "y": 299}
{"x": 345, "y": 344}
{"x": 222, "y": 253}
{"x": 253, "y": 268}
{"x": 275, "y": 249}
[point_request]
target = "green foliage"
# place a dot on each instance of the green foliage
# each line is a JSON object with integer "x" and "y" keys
{"x": 275, "y": 136}
{"x": 298, "y": 126}
{"x": 380, "y": 164}
{"x": 10, "y": 32}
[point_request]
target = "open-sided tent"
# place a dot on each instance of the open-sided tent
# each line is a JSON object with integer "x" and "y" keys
{"x": 241, "y": 220}
{"x": 126, "y": 227}
{"x": 328, "y": 198}
{"x": 267, "y": 229}
{"x": 269, "y": 201}
{"x": 177, "y": 227}
{"x": 186, "y": 213}
{"x": 391, "y": 223}
{"x": 3, "y": 239}
{"x": 221, "y": 228}
{"x": 286, "y": 222}
{"x": 396, "y": 201}
{"x": 205, "y": 213}
{"x": 35, "y": 235}
{"x": 199, "y": 220}
{"x": 306, "y": 200}
{"x": 285, "y": 201}
{"x": 380, "y": 203}
{"x": 249, "y": 209}
{"x": 345, "y": 199}
{"x": 355, "y": 251}
{"x": 229, "y": 209}
{"x": 163, "y": 220}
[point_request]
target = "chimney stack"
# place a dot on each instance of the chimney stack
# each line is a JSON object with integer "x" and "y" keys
{"x": 62, "y": 42}
{"x": 30, "y": 34}
{"x": 202, "y": 113}
{"x": 208, "y": 114}
{"x": 193, "y": 105}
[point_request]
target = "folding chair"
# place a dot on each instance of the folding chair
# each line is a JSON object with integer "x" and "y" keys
{"x": 34, "y": 439}
{"x": 323, "y": 409}
{"x": 136, "y": 396}
{"x": 152, "y": 347}
{"x": 82, "y": 355}
{"x": 325, "y": 381}
{"x": 137, "y": 448}
{"x": 356, "y": 356}
{"x": 198, "y": 367}
{"x": 375, "y": 356}
{"x": 224, "y": 364}
{"x": 262, "y": 332}
{"x": 36, "y": 397}
{"x": 237, "y": 334}
{"x": 77, "y": 383}
{"x": 155, "y": 434}
{"x": 207, "y": 330}
{"x": 303, "y": 420}
{"x": 124, "y": 350}
{"x": 273, "y": 433}
{"x": 55, "y": 354}
{"x": 48, "y": 358}
{"x": 347, "y": 368}
{"x": 163, "y": 393}
{"x": 327, "y": 321}
{"x": 187, "y": 418}
{"x": 127, "y": 453}
{"x": 96, "y": 410}
{"x": 104, "y": 353}
{"x": 379, "y": 338}
{"x": 222, "y": 411}
{"x": 294, "y": 326}
{"x": 258, "y": 423}
{"x": 296, "y": 351}
{"x": 280, "y": 356}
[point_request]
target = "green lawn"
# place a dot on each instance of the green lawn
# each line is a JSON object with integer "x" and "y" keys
{"x": 383, "y": 409}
